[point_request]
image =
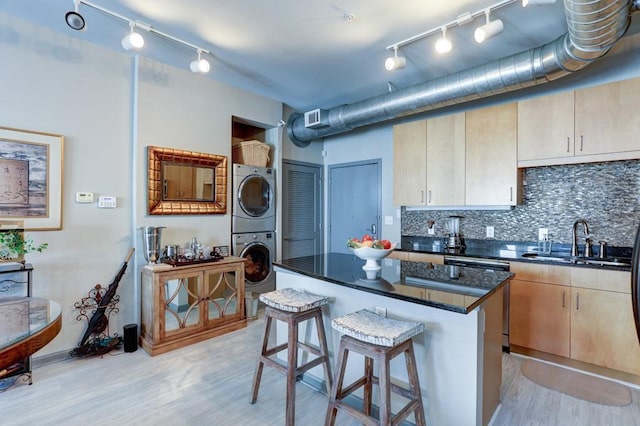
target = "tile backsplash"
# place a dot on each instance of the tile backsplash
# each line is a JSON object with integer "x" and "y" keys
{"x": 606, "y": 195}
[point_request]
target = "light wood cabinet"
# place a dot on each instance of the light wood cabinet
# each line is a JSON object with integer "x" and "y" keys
{"x": 607, "y": 119}
{"x": 587, "y": 125}
{"x": 410, "y": 163}
{"x": 429, "y": 162}
{"x": 602, "y": 325}
{"x": 539, "y": 308}
{"x": 492, "y": 176}
{"x": 545, "y": 127}
{"x": 446, "y": 160}
{"x": 187, "y": 304}
{"x": 583, "y": 314}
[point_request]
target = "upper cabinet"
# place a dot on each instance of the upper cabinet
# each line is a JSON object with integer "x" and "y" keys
{"x": 492, "y": 177}
{"x": 545, "y": 127}
{"x": 429, "y": 162}
{"x": 588, "y": 125}
{"x": 410, "y": 163}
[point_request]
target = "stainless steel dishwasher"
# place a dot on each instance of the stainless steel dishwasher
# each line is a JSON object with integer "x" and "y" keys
{"x": 490, "y": 264}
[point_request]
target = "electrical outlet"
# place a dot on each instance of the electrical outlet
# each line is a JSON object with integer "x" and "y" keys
{"x": 489, "y": 231}
{"x": 380, "y": 311}
{"x": 432, "y": 230}
{"x": 543, "y": 234}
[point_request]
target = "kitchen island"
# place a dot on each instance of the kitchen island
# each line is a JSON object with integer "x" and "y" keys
{"x": 459, "y": 355}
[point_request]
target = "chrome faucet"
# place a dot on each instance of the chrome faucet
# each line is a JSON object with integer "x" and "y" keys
{"x": 574, "y": 246}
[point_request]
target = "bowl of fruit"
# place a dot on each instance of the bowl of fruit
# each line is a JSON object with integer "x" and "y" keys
{"x": 372, "y": 251}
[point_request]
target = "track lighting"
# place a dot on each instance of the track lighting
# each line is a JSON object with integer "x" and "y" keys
{"x": 443, "y": 45}
{"x": 133, "y": 40}
{"x": 395, "y": 62}
{"x": 200, "y": 65}
{"x": 489, "y": 29}
{"x": 526, "y": 3}
{"x": 73, "y": 19}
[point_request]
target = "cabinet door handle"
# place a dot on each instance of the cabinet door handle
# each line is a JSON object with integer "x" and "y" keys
{"x": 577, "y": 301}
{"x": 581, "y": 142}
{"x": 429, "y": 196}
{"x": 564, "y": 294}
{"x": 422, "y": 196}
{"x": 568, "y": 142}
{"x": 511, "y": 193}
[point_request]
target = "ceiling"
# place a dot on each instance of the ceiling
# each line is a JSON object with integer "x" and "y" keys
{"x": 305, "y": 53}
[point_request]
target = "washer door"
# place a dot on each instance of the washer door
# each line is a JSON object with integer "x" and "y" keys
{"x": 258, "y": 265}
{"x": 255, "y": 196}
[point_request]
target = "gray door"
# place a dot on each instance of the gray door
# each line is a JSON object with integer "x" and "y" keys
{"x": 354, "y": 202}
{"x": 301, "y": 209}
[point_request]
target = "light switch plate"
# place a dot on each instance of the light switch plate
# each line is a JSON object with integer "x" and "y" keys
{"x": 543, "y": 234}
{"x": 84, "y": 197}
{"x": 107, "y": 202}
{"x": 490, "y": 232}
{"x": 388, "y": 220}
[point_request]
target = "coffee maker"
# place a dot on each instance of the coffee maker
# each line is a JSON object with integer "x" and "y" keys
{"x": 454, "y": 240}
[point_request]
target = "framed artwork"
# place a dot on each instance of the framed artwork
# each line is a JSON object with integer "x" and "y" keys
{"x": 31, "y": 178}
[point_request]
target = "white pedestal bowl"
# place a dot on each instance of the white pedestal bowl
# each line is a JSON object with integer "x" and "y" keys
{"x": 372, "y": 256}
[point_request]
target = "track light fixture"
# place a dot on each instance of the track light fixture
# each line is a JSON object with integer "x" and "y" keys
{"x": 133, "y": 40}
{"x": 443, "y": 45}
{"x": 200, "y": 65}
{"x": 395, "y": 62}
{"x": 74, "y": 20}
{"x": 489, "y": 29}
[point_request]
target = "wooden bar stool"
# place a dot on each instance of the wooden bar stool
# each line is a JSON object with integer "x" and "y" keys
{"x": 293, "y": 307}
{"x": 379, "y": 339}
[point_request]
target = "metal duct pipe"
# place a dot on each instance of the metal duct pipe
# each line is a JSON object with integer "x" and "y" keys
{"x": 593, "y": 27}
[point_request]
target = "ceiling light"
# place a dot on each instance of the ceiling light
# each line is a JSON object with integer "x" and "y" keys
{"x": 73, "y": 19}
{"x": 395, "y": 62}
{"x": 200, "y": 65}
{"x": 443, "y": 45}
{"x": 133, "y": 40}
{"x": 488, "y": 30}
{"x": 526, "y": 3}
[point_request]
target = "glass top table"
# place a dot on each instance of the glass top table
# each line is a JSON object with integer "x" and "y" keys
{"x": 27, "y": 324}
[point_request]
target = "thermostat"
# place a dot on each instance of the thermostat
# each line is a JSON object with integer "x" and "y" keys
{"x": 107, "y": 202}
{"x": 84, "y": 197}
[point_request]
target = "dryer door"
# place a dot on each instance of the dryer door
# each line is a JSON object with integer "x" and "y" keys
{"x": 258, "y": 265}
{"x": 255, "y": 196}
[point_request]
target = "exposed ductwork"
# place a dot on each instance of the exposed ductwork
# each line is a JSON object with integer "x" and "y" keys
{"x": 594, "y": 26}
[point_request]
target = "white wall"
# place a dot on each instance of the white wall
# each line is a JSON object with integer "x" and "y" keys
{"x": 108, "y": 114}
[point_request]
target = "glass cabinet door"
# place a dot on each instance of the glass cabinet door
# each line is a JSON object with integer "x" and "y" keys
{"x": 222, "y": 294}
{"x": 182, "y": 302}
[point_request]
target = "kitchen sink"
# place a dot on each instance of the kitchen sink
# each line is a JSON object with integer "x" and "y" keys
{"x": 577, "y": 260}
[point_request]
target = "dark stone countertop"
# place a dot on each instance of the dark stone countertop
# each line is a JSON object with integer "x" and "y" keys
{"x": 452, "y": 288}
{"x": 506, "y": 250}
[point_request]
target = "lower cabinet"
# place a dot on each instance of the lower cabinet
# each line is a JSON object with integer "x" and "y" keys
{"x": 603, "y": 331}
{"x": 187, "y": 304}
{"x": 583, "y": 314}
{"x": 539, "y": 316}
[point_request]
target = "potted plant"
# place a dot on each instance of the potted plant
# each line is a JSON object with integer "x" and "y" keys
{"x": 14, "y": 245}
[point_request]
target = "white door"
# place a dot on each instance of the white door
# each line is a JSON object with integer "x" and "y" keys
{"x": 354, "y": 202}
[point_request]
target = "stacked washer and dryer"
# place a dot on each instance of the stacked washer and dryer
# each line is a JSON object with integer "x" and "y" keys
{"x": 253, "y": 224}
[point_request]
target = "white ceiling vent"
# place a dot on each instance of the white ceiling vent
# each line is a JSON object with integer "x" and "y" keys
{"x": 316, "y": 118}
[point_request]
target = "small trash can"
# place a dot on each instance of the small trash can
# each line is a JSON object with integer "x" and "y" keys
{"x": 251, "y": 305}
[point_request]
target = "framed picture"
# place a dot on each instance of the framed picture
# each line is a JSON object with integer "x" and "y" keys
{"x": 31, "y": 178}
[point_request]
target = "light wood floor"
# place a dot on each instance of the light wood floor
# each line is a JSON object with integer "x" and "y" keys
{"x": 209, "y": 384}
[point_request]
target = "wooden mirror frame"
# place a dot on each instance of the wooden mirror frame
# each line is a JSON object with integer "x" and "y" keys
{"x": 157, "y": 206}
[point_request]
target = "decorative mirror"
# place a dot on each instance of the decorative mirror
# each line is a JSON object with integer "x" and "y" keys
{"x": 185, "y": 182}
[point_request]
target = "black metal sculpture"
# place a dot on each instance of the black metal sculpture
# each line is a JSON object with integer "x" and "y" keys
{"x": 98, "y": 322}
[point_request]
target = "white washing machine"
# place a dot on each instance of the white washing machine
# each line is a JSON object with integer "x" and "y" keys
{"x": 254, "y": 207}
{"x": 259, "y": 248}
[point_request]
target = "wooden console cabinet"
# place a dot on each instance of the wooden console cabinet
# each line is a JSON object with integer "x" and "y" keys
{"x": 187, "y": 304}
